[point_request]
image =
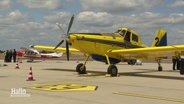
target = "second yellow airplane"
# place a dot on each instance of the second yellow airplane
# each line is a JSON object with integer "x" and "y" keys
{"x": 112, "y": 48}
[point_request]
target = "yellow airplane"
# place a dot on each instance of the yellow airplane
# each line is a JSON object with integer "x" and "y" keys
{"x": 112, "y": 48}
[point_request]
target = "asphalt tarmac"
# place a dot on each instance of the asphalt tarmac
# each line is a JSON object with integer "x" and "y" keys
{"x": 56, "y": 82}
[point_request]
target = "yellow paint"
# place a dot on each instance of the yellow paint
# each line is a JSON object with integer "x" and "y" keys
{"x": 65, "y": 87}
{"x": 151, "y": 97}
{"x": 159, "y": 34}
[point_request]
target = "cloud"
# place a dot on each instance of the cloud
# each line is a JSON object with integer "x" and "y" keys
{"x": 102, "y": 20}
{"x": 177, "y": 18}
{"x": 48, "y": 4}
{"x": 24, "y": 34}
{"x": 119, "y": 6}
{"x": 13, "y": 17}
{"x": 95, "y": 18}
{"x": 4, "y": 4}
{"x": 178, "y": 3}
{"x": 36, "y": 27}
{"x": 57, "y": 16}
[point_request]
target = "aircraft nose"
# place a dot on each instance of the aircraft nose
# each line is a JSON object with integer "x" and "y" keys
{"x": 71, "y": 38}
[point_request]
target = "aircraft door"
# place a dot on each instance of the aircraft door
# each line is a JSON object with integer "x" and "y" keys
{"x": 135, "y": 40}
{"x": 127, "y": 39}
{"x": 127, "y": 36}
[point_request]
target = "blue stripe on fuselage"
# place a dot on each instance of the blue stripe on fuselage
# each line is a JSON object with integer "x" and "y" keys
{"x": 103, "y": 59}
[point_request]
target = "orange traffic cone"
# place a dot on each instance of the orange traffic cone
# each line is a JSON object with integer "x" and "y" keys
{"x": 17, "y": 66}
{"x": 30, "y": 76}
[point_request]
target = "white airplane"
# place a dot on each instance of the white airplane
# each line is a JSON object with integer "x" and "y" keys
{"x": 32, "y": 54}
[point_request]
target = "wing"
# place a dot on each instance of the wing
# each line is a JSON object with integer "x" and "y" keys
{"x": 51, "y": 48}
{"x": 149, "y": 53}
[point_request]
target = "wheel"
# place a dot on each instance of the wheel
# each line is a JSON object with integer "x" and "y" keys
{"x": 112, "y": 70}
{"x": 181, "y": 71}
{"x": 128, "y": 62}
{"x": 80, "y": 69}
{"x": 131, "y": 62}
{"x": 159, "y": 68}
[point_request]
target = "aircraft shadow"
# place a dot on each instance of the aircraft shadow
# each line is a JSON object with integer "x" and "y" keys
{"x": 89, "y": 73}
{"x": 3, "y": 76}
{"x": 142, "y": 74}
{"x": 35, "y": 61}
{"x": 133, "y": 74}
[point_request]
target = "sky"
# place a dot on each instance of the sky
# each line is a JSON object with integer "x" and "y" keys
{"x": 31, "y": 22}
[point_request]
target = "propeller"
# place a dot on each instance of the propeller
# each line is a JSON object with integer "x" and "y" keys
{"x": 67, "y": 34}
{"x": 59, "y": 44}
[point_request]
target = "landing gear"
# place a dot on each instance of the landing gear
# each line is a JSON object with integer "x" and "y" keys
{"x": 181, "y": 66}
{"x": 181, "y": 71}
{"x": 112, "y": 70}
{"x": 131, "y": 62}
{"x": 160, "y": 68}
{"x": 159, "y": 65}
{"x": 81, "y": 68}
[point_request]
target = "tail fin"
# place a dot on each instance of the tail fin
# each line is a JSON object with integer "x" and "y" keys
{"x": 160, "y": 38}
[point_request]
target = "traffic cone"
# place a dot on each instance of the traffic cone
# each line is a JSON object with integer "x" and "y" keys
{"x": 17, "y": 66}
{"x": 30, "y": 76}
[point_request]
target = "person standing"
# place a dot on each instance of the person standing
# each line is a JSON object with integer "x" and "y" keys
{"x": 10, "y": 56}
{"x": 174, "y": 61}
{"x": 182, "y": 62}
{"x": 6, "y": 56}
{"x": 178, "y": 61}
{"x": 14, "y": 55}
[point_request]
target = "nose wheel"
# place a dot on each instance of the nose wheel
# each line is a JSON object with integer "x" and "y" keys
{"x": 112, "y": 70}
{"x": 81, "y": 68}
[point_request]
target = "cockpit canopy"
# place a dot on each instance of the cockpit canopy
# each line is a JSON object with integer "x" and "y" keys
{"x": 129, "y": 35}
{"x": 121, "y": 32}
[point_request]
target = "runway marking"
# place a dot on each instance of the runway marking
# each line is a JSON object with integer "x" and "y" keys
{"x": 150, "y": 97}
{"x": 65, "y": 87}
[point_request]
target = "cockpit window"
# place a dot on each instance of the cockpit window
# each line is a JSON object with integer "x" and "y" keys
{"x": 121, "y": 32}
{"x": 117, "y": 31}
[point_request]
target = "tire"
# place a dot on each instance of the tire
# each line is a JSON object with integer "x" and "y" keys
{"x": 181, "y": 71}
{"x": 131, "y": 62}
{"x": 160, "y": 68}
{"x": 112, "y": 70}
{"x": 80, "y": 69}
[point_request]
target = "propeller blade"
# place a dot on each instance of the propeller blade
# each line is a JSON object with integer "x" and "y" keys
{"x": 59, "y": 44}
{"x": 67, "y": 50}
{"x": 59, "y": 25}
{"x": 70, "y": 24}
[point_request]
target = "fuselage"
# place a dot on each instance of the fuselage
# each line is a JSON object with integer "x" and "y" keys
{"x": 97, "y": 45}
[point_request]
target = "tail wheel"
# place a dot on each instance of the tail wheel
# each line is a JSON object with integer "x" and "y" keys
{"x": 181, "y": 71}
{"x": 81, "y": 69}
{"x": 112, "y": 70}
{"x": 132, "y": 62}
{"x": 160, "y": 68}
